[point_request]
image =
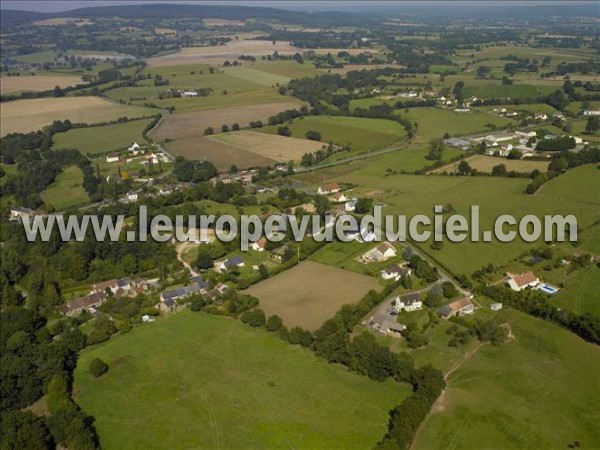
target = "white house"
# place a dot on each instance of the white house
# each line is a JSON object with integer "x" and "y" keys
{"x": 134, "y": 148}
{"x": 189, "y": 94}
{"x": 522, "y": 281}
{"x": 112, "y": 157}
{"x": 17, "y": 212}
{"x": 150, "y": 159}
{"x": 496, "y": 306}
{"x": 259, "y": 245}
{"x": 525, "y": 134}
{"x": 395, "y": 272}
{"x": 350, "y": 206}
{"x": 408, "y": 302}
{"x": 329, "y": 188}
{"x": 339, "y": 197}
{"x": 131, "y": 196}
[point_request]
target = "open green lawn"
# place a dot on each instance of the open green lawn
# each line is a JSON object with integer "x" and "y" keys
{"x": 435, "y": 122}
{"x": 288, "y": 69}
{"x": 249, "y": 73}
{"x": 102, "y": 139}
{"x": 197, "y": 381}
{"x": 360, "y": 133}
{"x": 580, "y": 292}
{"x": 67, "y": 190}
{"x": 540, "y": 390}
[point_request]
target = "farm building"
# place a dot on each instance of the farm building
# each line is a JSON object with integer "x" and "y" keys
{"x": 76, "y": 306}
{"x": 522, "y": 281}
{"x": 112, "y": 157}
{"x": 329, "y": 188}
{"x": 392, "y": 328}
{"x": 496, "y": 306}
{"x": 116, "y": 287}
{"x": 189, "y": 94}
{"x": 459, "y": 307}
{"x": 591, "y": 113}
{"x": 408, "y": 302}
{"x": 459, "y": 143}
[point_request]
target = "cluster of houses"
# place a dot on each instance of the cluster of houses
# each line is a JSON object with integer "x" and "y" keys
{"x": 502, "y": 144}
{"x": 101, "y": 292}
{"x": 169, "y": 297}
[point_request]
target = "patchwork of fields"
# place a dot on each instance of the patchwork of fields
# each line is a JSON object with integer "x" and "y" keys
{"x": 23, "y": 116}
{"x": 287, "y": 294}
{"x": 357, "y": 132}
{"x": 194, "y": 380}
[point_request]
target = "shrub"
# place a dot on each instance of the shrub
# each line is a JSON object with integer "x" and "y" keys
{"x": 98, "y": 367}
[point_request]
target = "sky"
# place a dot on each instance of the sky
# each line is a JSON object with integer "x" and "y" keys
{"x": 64, "y": 5}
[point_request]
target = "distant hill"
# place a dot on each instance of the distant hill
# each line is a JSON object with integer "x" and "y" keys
{"x": 161, "y": 11}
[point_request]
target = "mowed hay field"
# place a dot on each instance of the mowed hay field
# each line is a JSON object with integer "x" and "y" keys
{"x": 218, "y": 54}
{"x": 35, "y": 83}
{"x": 102, "y": 139}
{"x": 220, "y": 154}
{"x": 358, "y": 132}
{"x": 540, "y": 390}
{"x": 193, "y": 380}
{"x": 485, "y": 164}
{"x": 275, "y": 147}
{"x": 192, "y": 124}
{"x": 310, "y": 293}
{"x": 23, "y": 116}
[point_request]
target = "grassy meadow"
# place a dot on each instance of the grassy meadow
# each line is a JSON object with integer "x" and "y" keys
{"x": 67, "y": 190}
{"x": 102, "y": 139}
{"x": 540, "y": 390}
{"x": 194, "y": 380}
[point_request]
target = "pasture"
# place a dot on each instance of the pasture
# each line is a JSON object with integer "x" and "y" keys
{"x": 218, "y": 54}
{"x": 197, "y": 148}
{"x": 67, "y": 190}
{"x": 521, "y": 394}
{"x": 310, "y": 293}
{"x": 275, "y": 147}
{"x": 93, "y": 140}
{"x": 178, "y": 126}
{"x": 434, "y": 122}
{"x": 39, "y": 82}
{"x": 485, "y": 164}
{"x": 574, "y": 192}
{"x": 23, "y": 116}
{"x": 359, "y": 133}
{"x": 193, "y": 380}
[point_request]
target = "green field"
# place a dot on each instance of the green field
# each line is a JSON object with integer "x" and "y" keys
{"x": 102, "y": 139}
{"x": 199, "y": 381}
{"x": 540, "y": 390}
{"x": 67, "y": 190}
{"x": 434, "y": 122}
{"x": 571, "y": 193}
{"x": 256, "y": 76}
{"x": 580, "y": 293}
{"x": 360, "y": 133}
{"x": 508, "y": 91}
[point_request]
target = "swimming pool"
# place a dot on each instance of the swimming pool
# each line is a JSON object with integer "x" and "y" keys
{"x": 548, "y": 289}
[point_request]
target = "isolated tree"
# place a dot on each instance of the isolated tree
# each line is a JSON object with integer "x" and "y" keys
{"x": 592, "y": 125}
{"x": 436, "y": 147}
{"x": 313, "y": 135}
{"x": 235, "y": 126}
{"x": 464, "y": 168}
{"x": 499, "y": 170}
{"x": 224, "y": 128}
{"x": 208, "y": 131}
{"x": 98, "y": 367}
